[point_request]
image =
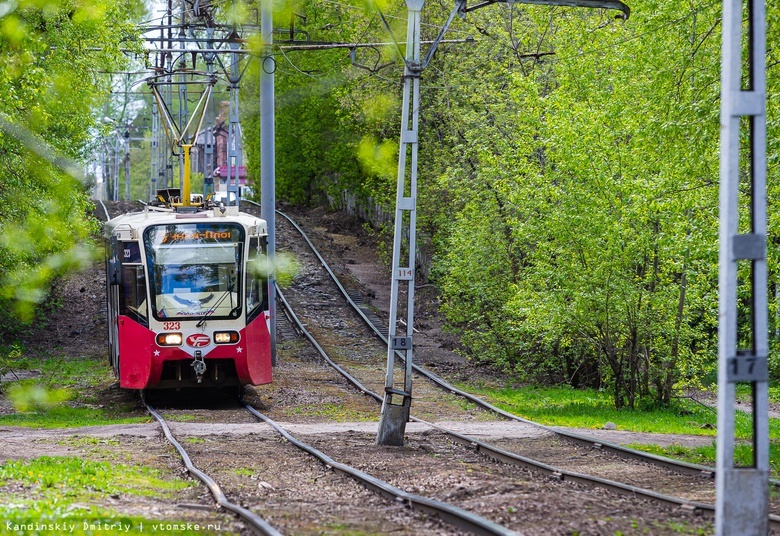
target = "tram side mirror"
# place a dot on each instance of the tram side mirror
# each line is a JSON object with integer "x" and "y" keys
{"x": 114, "y": 271}
{"x": 114, "y": 266}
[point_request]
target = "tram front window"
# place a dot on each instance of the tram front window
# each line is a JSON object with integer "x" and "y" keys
{"x": 195, "y": 270}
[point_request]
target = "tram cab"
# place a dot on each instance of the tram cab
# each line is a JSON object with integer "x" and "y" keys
{"x": 188, "y": 298}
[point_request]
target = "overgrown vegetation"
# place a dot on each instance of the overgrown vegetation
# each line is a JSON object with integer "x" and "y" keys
{"x": 51, "y": 54}
{"x": 62, "y": 392}
{"x": 58, "y": 491}
{"x": 568, "y": 179}
{"x": 568, "y": 168}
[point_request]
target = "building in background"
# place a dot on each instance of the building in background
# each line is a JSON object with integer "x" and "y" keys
{"x": 218, "y": 177}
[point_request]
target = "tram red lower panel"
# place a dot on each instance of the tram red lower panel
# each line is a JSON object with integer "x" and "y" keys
{"x": 141, "y": 359}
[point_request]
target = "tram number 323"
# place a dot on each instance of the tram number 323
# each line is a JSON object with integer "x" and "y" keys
{"x": 171, "y": 326}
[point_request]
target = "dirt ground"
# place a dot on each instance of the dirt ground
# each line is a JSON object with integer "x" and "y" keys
{"x": 78, "y": 329}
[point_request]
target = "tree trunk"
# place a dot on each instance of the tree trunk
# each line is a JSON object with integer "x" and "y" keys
{"x": 669, "y": 366}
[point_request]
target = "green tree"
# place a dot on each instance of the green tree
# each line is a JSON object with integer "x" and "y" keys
{"x": 568, "y": 180}
{"x": 50, "y": 57}
{"x": 614, "y": 242}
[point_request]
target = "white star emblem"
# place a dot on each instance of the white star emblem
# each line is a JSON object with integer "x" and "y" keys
{"x": 239, "y": 349}
{"x": 156, "y": 353}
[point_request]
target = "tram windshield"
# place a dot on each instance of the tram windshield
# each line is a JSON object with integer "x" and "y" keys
{"x": 195, "y": 269}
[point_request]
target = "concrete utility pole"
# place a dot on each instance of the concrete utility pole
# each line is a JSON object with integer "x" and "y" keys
{"x": 267, "y": 159}
{"x": 398, "y": 399}
{"x": 742, "y": 504}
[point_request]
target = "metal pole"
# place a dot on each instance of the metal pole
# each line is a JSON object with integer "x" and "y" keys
{"x": 115, "y": 190}
{"x": 208, "y": 132}
{"x": 186, "y": 168}
{"x": 234, "y": 138}
{"x": 267, "y": 161}
{"x": 183, "y": 160}
{"x": 742, "y": 503}
{"x": 106, "y": 170}
{"x": 154, "y": 157}
{"x": 127, "y": 163}
{"x": 168, "y": 98}
{"x": 392, "y": 424}
{"x": 158, "y": 144}
{"x": 168, "y": 154}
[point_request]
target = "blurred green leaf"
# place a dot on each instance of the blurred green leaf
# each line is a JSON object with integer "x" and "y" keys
{"x": 27, "y": 397}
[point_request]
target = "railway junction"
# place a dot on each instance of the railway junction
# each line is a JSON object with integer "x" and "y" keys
{"x": 461, "y": 464}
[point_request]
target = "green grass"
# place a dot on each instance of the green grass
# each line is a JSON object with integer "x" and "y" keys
{"x": 181, "y": 417}
{"x": 67, "y": 393}
{"x": 743, "y": 454}
{"x": 56, "y": 490}
{"x": 58, "y": 495}
{"x": 55, "y": 519}
{"x": 67, "y": 417}
{"x": 60, "y": 476}
{"x": 89, "y": 441}
{"x": 574, "y": 408}
{"x": 592, "y": 409}
{"x": 66, "y": 372}
{"x": 334, "y": 412}
{"x": 243, "y": 471}
{"x": 560, "y": 406}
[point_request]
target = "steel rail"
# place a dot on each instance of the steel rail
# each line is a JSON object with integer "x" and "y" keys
{"x": 451, "y": 514}
{"x": 254, "y": 522}
{"x": 500, "y": 454}
{"x": 512, "y": 458}
{"x": 105, "y": 210}
{"x": 662, "y": 461}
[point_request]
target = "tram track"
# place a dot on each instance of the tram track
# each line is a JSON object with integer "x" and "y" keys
{"x": 448, "y": 513}
{"x": 371, "y": 322}
{"x": 506, "y": 456}
{"x": 691, "y": 475}
{"x": 323, "y": 314}
{"x": 463, "y": 519}
{"x": 257, "y": 524}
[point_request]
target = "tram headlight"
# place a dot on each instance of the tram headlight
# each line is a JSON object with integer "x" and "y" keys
{"x": 169, "y": 339}
{"x": 225, "y": 337}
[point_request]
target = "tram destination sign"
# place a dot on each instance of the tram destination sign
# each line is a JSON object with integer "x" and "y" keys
{"x": 213, "y": 234}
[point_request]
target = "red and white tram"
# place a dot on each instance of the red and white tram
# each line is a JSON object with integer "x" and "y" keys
{"x": 188, "y": 298}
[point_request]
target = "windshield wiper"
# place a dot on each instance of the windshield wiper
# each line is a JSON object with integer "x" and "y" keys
{"x": 228, "y": 292}
{"x": 231, "y": 284}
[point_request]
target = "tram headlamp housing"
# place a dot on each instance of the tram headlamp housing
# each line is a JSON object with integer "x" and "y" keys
{"x": 169, "y": 339}
{"x": 225, "y": 337}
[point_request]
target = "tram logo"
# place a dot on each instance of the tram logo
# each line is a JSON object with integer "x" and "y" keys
{"x": 198, "y": 340}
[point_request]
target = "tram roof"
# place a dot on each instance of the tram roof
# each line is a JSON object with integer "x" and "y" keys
{"x": 140, "y": 220}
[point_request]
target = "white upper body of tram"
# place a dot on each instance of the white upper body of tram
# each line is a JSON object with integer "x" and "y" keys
{"x": 188, "y": 298}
